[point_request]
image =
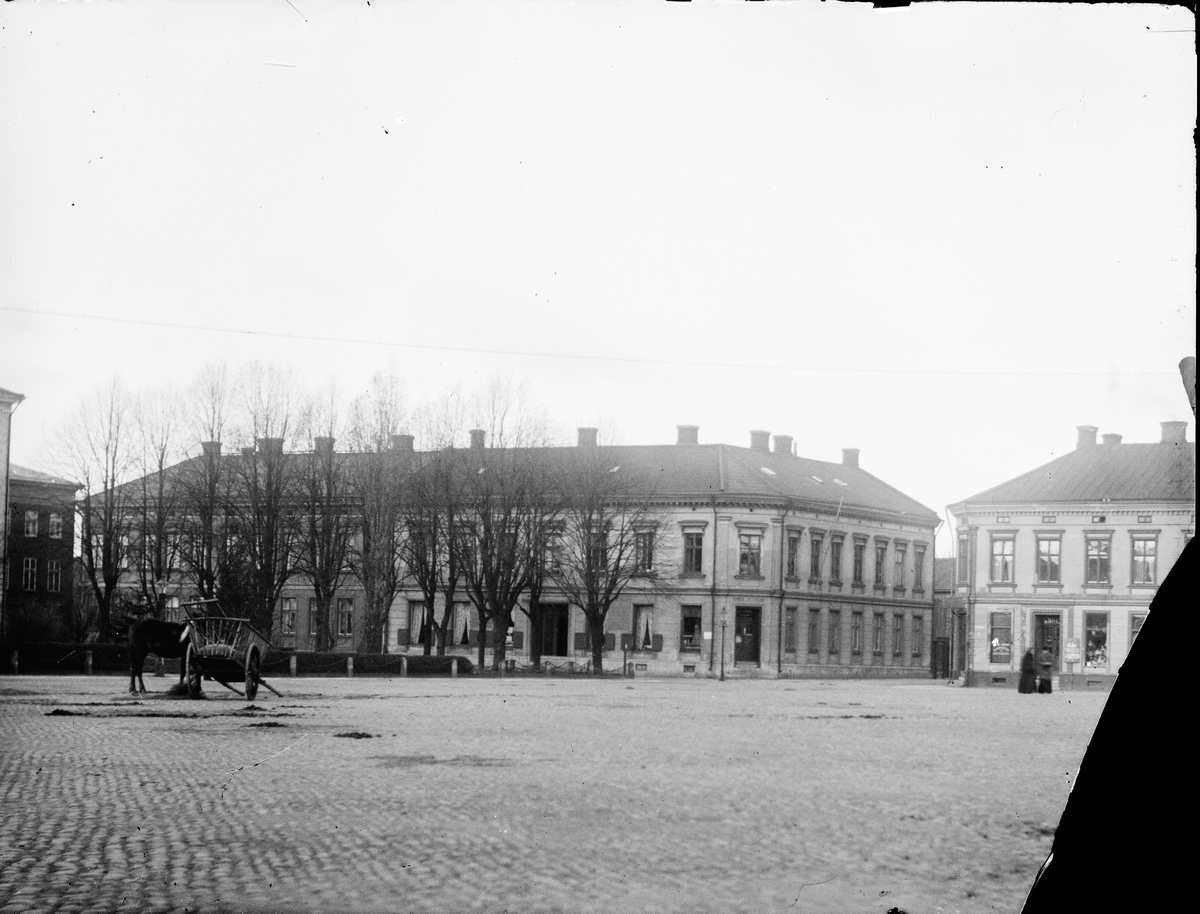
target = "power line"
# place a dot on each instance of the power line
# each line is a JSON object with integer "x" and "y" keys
{"x": 389, "y": 344}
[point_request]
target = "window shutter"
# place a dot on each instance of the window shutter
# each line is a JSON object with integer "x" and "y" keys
{"x": 581, "y": 641}
{"x": 626, "y": 641}
{"x": 473, "y": 638}
{"x": 518, "y": 640}
{"x": 610, "y": 641}
{"x": 402, "y": 638}
{"x": 657, "y": 642}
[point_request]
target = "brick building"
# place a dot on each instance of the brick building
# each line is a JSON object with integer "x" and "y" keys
{"x": 41, "y": 535}
{"x": 1065, "y": 559}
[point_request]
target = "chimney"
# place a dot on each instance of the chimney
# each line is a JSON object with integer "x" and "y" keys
{"x": 323, "y": 445}
{"x": 687, "y": 434}
{"x": 760, "y": 440}
{"x": 850, "y": 457}
{"x": 1111, "y": 440}
{"x": 247, "y": 452}
{"x": 401, "y": 443}
{"x": 1174, "y": 433}
{"x": 783, "y": 444}
{"x": 1087, "y": 436}
{"x": 211, "y": 449}
{"x": 477, "y": 439}
{"x": 587, "y": 437}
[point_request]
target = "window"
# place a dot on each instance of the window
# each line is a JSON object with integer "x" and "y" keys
{"x": 860, "y": 558}
{"x": 1095, "y": 629}
{"x": 597, "y": 549}
{"x": 877, "y": 634}
{"x": 898, "y": 573}
{"x": 345, "y": 608}
{"x": 856, "y": 633}
{"x": 750, "y": 561}
{"x": 880, "y": 561}
{"x": 1049, "y": 564}
{"x": 29, "y": 574}
{"x": 964, "y": 561}
{"x": 1144, "y": 555}
{"x": 53, "y": 576}
{"x": 288, "y": 614}
{"x": 460, "y": 626}
{"x": 793, "y": 555}
{"x": 690, "y": 628}
{"x": 789, "y": 630}
{"x": 835, "y": 559}
{"x": 814, "y": 630}
{"x": 643, "y": 551}
{"x": 312, "y": 615}
{"x": 1099, "y": 564}
{"x": 693, "y": 550}
{"x": 918, "y": 635}
{"x": 643, "y": 628}
{"x": 1000, "y": 647}
{"x": 31, "y": 523}
{"x": 1002, "y": 559}
{"x": 897, "y": 635}
{"x": 56, "y": 526}
{"x": 1135, "y": 626}
{"x": 417, "y": 629}
{"x": 919, "y": 568}
{"x": 814, "y": 568}
{"x": 835, "y": 631}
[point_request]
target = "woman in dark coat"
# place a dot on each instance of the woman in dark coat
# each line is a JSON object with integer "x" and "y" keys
{"x": 1028, "y": 682}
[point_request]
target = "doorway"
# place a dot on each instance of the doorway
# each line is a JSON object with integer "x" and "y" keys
{"x": 746, "y": 635}
{"x": 1047, "y": 641}
{"x": 555, "y": 628}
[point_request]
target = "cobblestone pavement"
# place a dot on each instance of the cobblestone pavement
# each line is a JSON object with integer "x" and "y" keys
{"x": 530, "y": 795}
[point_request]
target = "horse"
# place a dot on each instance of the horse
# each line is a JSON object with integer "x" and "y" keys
{"x": 153, "y": 636}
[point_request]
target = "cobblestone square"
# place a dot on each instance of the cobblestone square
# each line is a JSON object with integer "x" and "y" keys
{"x": 531, "y": 795}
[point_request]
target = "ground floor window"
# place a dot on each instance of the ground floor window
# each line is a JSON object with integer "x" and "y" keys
{"x": 643, "y": 628}
{"x": 418, "y": 631}
{"x": 897, "y": 635}
{"x": 53, "y": 576}
{"x": 1135, "y": 626}
{"x": 1000, "y": 637}
{"x": 1095, "y": 626}
{"x": 856, "y": 633}
{"x": 345, "y": 616}
{"x": 460, "y": 626}
{"x": 918, "y": 635}
{"x": 29, "y": 574}
{"x": 877, "y": 634}
{"x": 289, "y": 615}
{"x": 835, "y": 631}
{"x": 814, "y": 630}
{"x": 789, "y": 630}
{"x": 691, "y": 628}
{"x": 312, "y": 615}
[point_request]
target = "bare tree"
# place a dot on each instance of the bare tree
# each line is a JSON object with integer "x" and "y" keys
{"x": 96, "y": 452}
{"x": 155, "y": 498}
{"x": 604, "y": 520}
{"x": 381, "y": 459}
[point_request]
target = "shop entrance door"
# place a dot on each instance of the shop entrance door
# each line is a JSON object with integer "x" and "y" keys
{"x": 745, "y": 635}
{"x": 554, "y": 629}
{"x": 1047, "y": 642}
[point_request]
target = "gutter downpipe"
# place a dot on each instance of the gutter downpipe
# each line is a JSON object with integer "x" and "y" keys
{"x": 712, "y": 641}
{"x": 787, "y": 507}
{"x": 4, "y": 524}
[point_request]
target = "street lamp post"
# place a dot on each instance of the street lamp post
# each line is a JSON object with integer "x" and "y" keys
{"x": 724, "y": 614}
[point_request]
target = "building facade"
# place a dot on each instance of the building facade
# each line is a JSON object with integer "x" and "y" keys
{"x": 41, "y": 535}
{"x": 1065, "y": 559}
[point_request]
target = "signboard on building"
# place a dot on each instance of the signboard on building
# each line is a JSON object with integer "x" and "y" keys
{"x": 1071, "y": 650}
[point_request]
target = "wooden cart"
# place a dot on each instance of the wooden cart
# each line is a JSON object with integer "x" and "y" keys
{"x": 224, "y": 649}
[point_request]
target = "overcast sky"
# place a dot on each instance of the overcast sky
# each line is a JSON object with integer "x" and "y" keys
{"x": 945, "y": 235}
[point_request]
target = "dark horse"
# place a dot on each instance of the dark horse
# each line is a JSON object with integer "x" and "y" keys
{"x": 152, "y": 636}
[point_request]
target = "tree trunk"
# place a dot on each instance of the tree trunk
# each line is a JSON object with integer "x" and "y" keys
{"x": 499, "y": 633}
{"x": 483, "y": 627}
{"x": 537, "y": 622}
{"x": 596, "y": 632}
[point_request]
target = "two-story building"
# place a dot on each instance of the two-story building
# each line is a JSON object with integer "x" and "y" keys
{"x": 1065, "y": 559}
{"x": 41, "y": 535}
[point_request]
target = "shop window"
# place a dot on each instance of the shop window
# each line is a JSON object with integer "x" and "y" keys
{"x": 1099, "y": 560}
{"x": 835, "y": 631}
{"x": 1003, "y": 548}
{"x": 1135, "y": 626}
{"x": 789, "y": 630}
{"x": 1144, "y": 559}
{"x": 814, "y": 630}
{"x": 1095, "y": 627}
{"x": 856, "y": 633}
{"x": 1049, "y": 564}
{"x": 1000, "y": 637}
{"x": 690, "y": 629}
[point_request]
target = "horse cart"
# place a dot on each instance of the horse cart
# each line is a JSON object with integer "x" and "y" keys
{"x": 225, "y": 650}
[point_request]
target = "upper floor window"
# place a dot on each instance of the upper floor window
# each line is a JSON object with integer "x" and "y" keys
{"x": 835, "y": 559}
{"x": 56, "y": 526}
{"x": 29, "y": 574}
{"x": 898, "y": 573}
{"x": 880, "y": 562}
{"x": 31, "y": 523}
{"x": 693, "y": 551}
{"x": 793, "y": 555}
{"x": 1099, "y": 560}
{"x": 814, "y": 568}
{"x": 964, "y": 560}
{"x": 643, "y": 551}
{"x": 1049, "y": 564}
{"x": 1144, "y": 558}
{"x": 53, "y": 576}
{"x": 918, "y": 568}
{"x": 750, "y": 559}
{"x": 860, "y": 559}
{"x": 1002, "y": 559}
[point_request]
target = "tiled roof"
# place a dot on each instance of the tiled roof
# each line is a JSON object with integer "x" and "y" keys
{"x": 24, "y": 474}
{"x": 1100, "y": 472}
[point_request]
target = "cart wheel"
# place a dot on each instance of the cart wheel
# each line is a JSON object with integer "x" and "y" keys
{"x": 193, "y": 673}
{"x": 251, "y": 673}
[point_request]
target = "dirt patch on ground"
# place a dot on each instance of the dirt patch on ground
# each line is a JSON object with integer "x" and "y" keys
{"x": 468, "y": 761}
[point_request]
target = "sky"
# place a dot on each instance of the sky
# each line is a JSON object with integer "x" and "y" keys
{"x": 945, "y": 235}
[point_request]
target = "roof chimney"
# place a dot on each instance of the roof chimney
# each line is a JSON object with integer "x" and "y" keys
{"x": 272, "y": 446}
{"x": 211, "y": 449}
{"x": 477, "y": 439}
{"x": 783, "y": 444}
{"x": 400, "y": 442}
{"x": 688, "y": 434}
{"x": 1174, "y": 432}
{"x": 323, "y": 445}
{"x": 587, "y": 437}
{"x": 760, "y": 440}
{"x": 247, "y": 452}
{"x": 1111, "y": 440}
{"x": 1087, "y": 436}
{"x": 850, "y": 457}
